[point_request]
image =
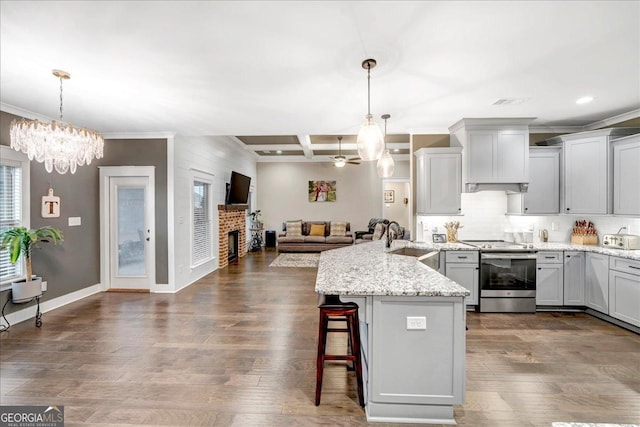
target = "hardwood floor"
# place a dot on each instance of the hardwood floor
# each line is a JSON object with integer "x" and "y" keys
{"x": 238, "y": 348}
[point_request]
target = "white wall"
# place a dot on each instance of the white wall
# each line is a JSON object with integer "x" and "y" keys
{"x": 484, "y": 217}
{"x": 398, "y": 211}
{"x": 213, "y": 155}
{"x": 282, "y": 192}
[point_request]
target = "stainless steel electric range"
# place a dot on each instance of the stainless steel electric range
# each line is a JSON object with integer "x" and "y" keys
{"x": 507, "y": 276}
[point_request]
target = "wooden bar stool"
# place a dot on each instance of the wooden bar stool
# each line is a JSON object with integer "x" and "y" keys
{"x": 332, "y": 309}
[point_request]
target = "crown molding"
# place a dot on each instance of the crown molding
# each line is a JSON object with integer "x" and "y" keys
{"x": 555, "y": 129}
{"x": 12, "y": 109}
{"x": 633, "y": 114}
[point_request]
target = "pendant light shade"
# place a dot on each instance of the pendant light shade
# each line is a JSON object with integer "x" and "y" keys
{"x": 385, "y": 164}
{"x": 370, "y": 140}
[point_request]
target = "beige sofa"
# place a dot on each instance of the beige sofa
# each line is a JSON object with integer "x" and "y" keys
{"x": 307, "y": 243}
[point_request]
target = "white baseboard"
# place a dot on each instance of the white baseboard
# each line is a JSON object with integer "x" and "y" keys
{"x": 46, "y": 306}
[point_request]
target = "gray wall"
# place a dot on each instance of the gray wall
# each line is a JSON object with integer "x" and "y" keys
{"x": 75, "y": 264}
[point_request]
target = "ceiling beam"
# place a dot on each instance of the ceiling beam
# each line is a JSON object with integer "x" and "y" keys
{"x": 305, "y": 142}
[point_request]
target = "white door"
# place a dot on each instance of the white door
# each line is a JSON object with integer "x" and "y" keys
{"x": 131, "y": 255}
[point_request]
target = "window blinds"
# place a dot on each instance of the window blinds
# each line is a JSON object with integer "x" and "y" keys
{"x": 201, "y": 239}
{"x": 10, "y": 213}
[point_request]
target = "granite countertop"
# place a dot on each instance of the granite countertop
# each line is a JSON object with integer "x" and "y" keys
{"x": 368, "y": 269}
{"x": 552, "y": 246}
{"x": 539, "y": 246}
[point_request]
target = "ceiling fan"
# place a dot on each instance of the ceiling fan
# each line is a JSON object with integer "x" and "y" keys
{"x": 340, "y": 160}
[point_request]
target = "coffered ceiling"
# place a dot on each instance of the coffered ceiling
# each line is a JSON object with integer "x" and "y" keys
{"x": 287, "y": 75}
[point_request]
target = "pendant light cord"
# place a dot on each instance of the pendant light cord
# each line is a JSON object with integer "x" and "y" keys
{"x": 385, "y": 134}
{"x": 61, "y": 116}
{"x": 369, "y": 90}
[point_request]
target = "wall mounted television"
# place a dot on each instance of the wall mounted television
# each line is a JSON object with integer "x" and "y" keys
{"x": 238, "y": 189}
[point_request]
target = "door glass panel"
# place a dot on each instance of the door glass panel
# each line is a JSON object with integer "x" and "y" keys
{"x": 131, "y": 232}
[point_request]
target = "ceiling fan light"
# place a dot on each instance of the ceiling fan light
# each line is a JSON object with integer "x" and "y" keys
{"x": 370, "y": 140}
{"x": 385, "y": 165}
{"x": 339, "y": 163}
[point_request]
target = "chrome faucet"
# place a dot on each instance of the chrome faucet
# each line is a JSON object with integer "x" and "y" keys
{"x": 389, "y": 238}
{"x": 621, "y": 228}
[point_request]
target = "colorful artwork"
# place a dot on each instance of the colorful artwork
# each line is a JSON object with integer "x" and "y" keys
{"x": 322, "y": 191}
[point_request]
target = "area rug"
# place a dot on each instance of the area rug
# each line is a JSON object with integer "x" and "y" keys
{"x": 296, "y": 260}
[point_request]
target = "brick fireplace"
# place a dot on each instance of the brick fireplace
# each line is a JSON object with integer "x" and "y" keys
{"x": 231, "y": 218}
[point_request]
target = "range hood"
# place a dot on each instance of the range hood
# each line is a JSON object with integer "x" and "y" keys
{"x": 507, "y": 187}
{"x": 495, "y": 153}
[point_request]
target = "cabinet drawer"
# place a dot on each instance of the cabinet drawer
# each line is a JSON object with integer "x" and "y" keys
{"x": 625, "y": 265}
{"x": 549, "y": 257}
{"x": 462, "y": 256}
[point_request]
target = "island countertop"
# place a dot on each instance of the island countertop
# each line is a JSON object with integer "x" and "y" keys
{"x": 368, "y": 269}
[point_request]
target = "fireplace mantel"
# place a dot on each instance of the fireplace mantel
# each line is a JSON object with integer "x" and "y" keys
{"x": 231, "y": 208}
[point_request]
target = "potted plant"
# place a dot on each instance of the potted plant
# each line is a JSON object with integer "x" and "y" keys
{"x": 21, "y": 241}
{"x": 255, "y": 219}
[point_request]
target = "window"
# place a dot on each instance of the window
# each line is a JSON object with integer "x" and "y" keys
{"x": 14, "y": 205}
{"x": 201, "y": 238}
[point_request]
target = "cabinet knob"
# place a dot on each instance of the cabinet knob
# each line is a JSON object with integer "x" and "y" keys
{"x": 539, "y": 268}
{"x": 526, "y": 209}
{"x": 568, "y": 209}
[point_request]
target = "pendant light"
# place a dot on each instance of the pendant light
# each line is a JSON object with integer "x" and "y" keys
{"x": 58, "y": 145}
{"x": 370, "y": 140}
{"x": 385, "y": 164}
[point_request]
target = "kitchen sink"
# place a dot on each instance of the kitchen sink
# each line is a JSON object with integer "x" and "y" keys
{"x": 428, "y": 257}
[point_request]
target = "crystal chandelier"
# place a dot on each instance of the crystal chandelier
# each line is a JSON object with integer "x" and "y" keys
{"x": 385, "y": 164}
{"x": 370, "y": 141}
{"x": 59, "y": 145}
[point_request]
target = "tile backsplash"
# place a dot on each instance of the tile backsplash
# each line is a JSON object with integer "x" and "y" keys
{"x": 484, "y": 217}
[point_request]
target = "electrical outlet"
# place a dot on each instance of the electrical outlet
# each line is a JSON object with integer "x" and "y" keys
{"x": 43, "y": 286}
{"x": 416, "y": 323}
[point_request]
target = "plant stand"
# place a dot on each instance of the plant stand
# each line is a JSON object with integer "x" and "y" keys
{"x": 256, "y": 239}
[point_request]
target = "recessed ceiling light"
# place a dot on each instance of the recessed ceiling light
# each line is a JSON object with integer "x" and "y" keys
{"x": 584, "y": 100}
{"x": 279, "y": 152}
{"x": 267, "y": 152}
{"x": 396, "y": 150}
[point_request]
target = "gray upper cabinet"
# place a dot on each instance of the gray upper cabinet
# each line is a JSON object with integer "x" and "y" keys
{"x": 543, "y": 195}
{"x": 588, "y": 171}
{"x": 626, "y": 175}
{"x": 438, "y": 180}
{"x": 495, "y": 153}
{"x": 586, "y": 176}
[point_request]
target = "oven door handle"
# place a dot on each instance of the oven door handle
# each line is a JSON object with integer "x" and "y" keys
{"x": 508, "y": 256}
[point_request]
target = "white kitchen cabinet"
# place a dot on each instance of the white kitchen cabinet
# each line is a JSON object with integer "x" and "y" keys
{"x": 543, "y": 195}
{"x": 597, "y": 282}
{"x": 463, "y": 268}
{"x": 549, "y": 279}
{"x": 624, "y": 290}
{"x": 438, "y": 181}
{"x": 495, "y": 153}
{"x": 626, "y": 175}
{"x": 574, "y": 263}
{"x": 586, "y": 175}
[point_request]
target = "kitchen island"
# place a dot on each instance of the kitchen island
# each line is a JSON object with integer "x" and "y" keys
{"x": 412, "y": 322}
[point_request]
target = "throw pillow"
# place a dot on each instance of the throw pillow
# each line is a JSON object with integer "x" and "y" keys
{"x": 338, "y": 228}
{"x": 294, "y": 228}
{"x": 378, "y": 231}
{"x": 317, "y": 230}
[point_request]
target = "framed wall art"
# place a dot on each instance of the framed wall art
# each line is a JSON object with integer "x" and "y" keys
{"x": 322, "y": 191}
{"x": 389, "y": 196}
